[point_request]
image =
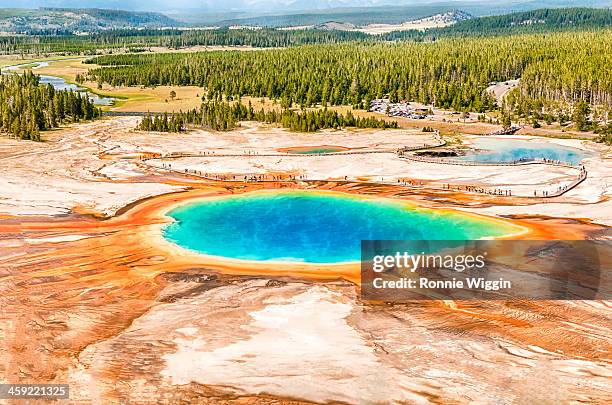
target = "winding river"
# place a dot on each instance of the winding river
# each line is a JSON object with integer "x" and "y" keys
{"x": 58, "y": 83}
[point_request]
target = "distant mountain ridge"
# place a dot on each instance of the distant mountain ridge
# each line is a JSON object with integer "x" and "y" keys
{"x": 75, "y": 20}
{"x": 436, "y": 20}
{"x": 357, "y": 16}
{"x": 376, "y": 13}
{"x": 448, "y": 18}
{"x": 399, "y": 22}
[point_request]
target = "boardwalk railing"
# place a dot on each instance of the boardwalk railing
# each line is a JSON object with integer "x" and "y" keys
{"x": 562, "y": 190}
{"x": 403, "y": 153}
{"x": 176, "y": 155}
{"x": 459, "y": 162}
{"x": 438, "y": 142}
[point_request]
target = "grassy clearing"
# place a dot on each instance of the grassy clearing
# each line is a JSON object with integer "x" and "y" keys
{"x": 9, "y": 60}
{"x": 152, "y": 99}
{"x": 64, "y": 68}
{"x": 129, "y": 98}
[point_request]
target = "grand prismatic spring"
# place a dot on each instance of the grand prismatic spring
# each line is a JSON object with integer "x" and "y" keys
{"x": 315, "y": 227}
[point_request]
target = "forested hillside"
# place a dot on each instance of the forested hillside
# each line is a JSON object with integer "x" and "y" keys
{"x": 26, "y": 107}
{"x": 535, "y": 21}
{"x": 454, "y": 73}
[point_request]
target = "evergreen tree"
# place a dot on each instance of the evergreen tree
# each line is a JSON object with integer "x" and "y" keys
{"x": 224, "y": 116}
{"x": 556, "y": 71}
{"x": 581, "y": 115}
{"x": 26, "y": 107}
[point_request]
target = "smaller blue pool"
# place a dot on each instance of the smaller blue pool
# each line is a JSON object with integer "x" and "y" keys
{"x": 510, "y": 150}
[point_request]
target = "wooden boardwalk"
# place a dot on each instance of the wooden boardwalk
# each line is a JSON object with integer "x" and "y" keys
{"x": 402, "y": 153}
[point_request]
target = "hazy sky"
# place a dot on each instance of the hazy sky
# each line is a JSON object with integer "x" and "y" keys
{"x": 214, "y": 5}
{"x": 257, "y": 5}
